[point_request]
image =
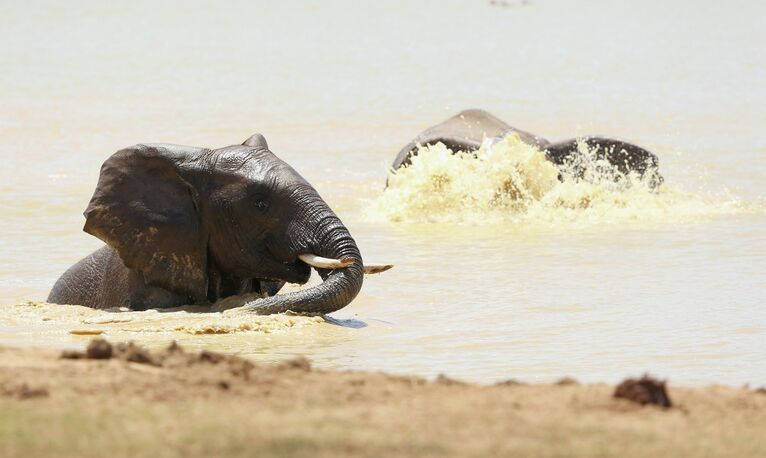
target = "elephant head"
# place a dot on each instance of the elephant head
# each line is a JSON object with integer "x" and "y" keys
{"x": 468, "y": 129}
{"x": 623, "y": 156}
{"x": 209, "y": 224}
{"x": 464, "y": 132}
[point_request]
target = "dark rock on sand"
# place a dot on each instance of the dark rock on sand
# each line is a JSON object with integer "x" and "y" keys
{"x": 645, "y": 390}
{"x": 98, "y": 349}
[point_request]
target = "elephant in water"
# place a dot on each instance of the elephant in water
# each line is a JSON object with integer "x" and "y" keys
{"x": 187, "y": 225}
{"x": 466, "y": 130}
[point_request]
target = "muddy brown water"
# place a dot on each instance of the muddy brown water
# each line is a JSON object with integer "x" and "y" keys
{"x": 670, "y": 283}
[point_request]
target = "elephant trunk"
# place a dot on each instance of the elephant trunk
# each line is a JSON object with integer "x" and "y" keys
{"x": 330, "y": 239}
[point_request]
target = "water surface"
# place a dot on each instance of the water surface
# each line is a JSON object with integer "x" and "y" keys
{"x": 338, "y": 87}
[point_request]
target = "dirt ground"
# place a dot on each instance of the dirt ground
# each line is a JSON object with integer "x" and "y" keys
{"x": 178, "y": 403}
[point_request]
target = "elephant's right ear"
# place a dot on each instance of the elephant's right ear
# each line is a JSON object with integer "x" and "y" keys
{"x": 256, "y": 141}
{"x": 147, "y": 212}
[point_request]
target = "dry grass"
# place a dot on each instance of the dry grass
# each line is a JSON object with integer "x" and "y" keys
{"x": 55, "y": 407}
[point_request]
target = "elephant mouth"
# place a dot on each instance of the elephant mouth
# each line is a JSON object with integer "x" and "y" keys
{"x": 295, "y": 272}
{"x": 275, "y": 270}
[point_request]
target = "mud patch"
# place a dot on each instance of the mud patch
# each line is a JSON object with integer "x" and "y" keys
{"x": 510, "y": 382}
{"x": 443, "y": 379}
{"x": 173, "y": 356}
{"x": 23, "y": 391}
{"x": 645, "y": 390}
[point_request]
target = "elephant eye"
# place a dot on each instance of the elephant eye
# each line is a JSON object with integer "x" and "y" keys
{"x": 261, "y": 205}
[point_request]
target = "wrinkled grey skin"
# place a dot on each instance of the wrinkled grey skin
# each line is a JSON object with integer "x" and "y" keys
{"x": 188, "y": 225}
{"x": 466, "y": 130}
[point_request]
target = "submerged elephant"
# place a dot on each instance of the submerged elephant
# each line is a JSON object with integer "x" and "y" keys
{"x": 467, "y": 130}
{"x": 188, "y": 225}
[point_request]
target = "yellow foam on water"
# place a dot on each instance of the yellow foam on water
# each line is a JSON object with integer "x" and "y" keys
{"x": 79, "y": 320}
{"x": 510, "y": 180}
{"x": 268, "y": 337}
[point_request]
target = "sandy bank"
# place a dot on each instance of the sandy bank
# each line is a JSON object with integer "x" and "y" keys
{"x": 179, "y": 403}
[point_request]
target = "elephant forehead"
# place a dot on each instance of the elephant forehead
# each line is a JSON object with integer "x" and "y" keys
{"x": 252, "y": 166}
{"x": 235, "y": 159}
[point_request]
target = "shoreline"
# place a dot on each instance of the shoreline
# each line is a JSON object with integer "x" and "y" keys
{"x": 175, "y": 402}
{"x": 273, "y": 338}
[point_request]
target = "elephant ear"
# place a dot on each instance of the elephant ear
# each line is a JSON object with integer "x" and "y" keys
{"x": 625, "y": 157}
{"x": 256, "y": 141}
{"x": 147, "y": 212}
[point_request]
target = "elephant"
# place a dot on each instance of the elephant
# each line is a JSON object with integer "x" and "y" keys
{"x": 467, "y": 130}
{"x": 190, "y": 225}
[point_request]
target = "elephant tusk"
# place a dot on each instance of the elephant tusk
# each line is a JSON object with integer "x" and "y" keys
{"x": 329, "y": 263}
{"x": 376, "y": 268}
{"x": 325, "y": 263}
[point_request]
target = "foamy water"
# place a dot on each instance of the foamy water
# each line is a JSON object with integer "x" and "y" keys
{"x": 509, "y": 181}
{"x": 501, "y": 270}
